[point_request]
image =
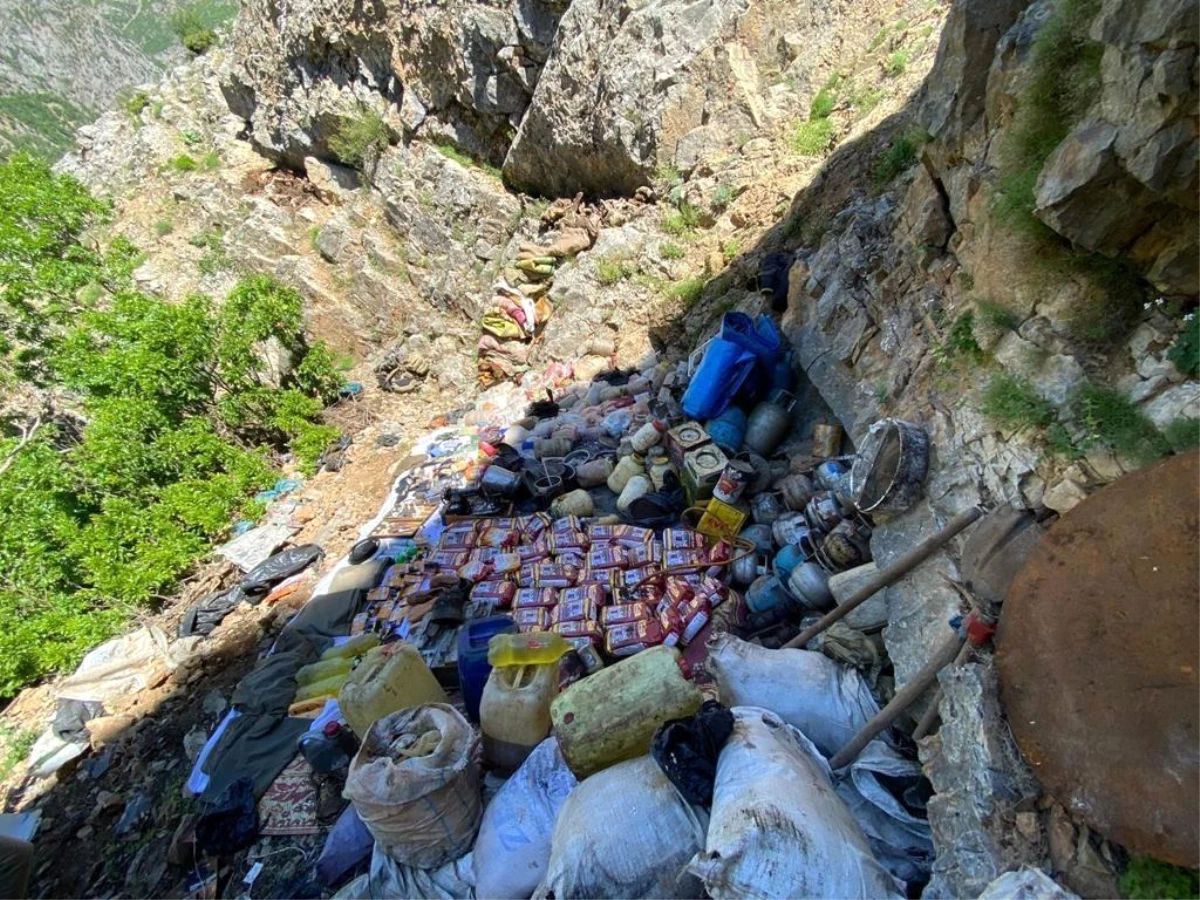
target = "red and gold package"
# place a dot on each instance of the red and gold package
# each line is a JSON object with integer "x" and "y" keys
{"x": 475, "y": 571}
{"x": 534, "y": 552}
{"x": 497, "y": 593}
{"x": 713, "y": 590}
{"x": 671, "y": 622}
{"x": 450, "y": 559}
{"x": 579, "y": 628}
{"x": 679, "y": 590}
{"x": 692, "y": 558}
{"x": 606, "y": 556}
{"x": 533, "y": 598}
{"x": 460, "y": 536}
{"x": 631, "y": 577}
{"x": 584, "y": 644}
{"x": 680, "y": 538}
{"x": 384, "y": 610}
{"x": 590, "y": 592}
{"x": 645, "y": 554}
{"x": 506, "y": 522}
{"x": 507, "y": 563}
{"x": 484, "y": 554}
{"x": 624, "y": 613}
{"x": 633, "y": 637}
{"x": 534, "y": 619}
{"x": 695, "y": 616}
{"x": 650, "y": 593}
{"x": 502, "y": 538}
{"x": 601, "y": 534}
{"x": 631, "y": 535}
{"x": 720, "y": 552}
{"x": 555, "y": 574}
{"x": 577, "y": 609}
{"x": 527, "y": 575}
{"x": 533, "y": 527}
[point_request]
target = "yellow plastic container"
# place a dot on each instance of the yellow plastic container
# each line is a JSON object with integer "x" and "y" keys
{"x": 326, "y": 668}
{"x": 526, "y": 649}
{"x": 389, "y": 678}
{"x": 326, "y": 687}
{"x": 611, "y": 716}
{"x": 514, "y": 714}
{"x": 353, "y": 648}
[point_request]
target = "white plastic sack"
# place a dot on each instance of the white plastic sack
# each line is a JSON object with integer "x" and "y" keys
{"x": 118, "y": 669}
{"x": 1026, "y": 883}
{"x": 389, "y": 880}
{"x": 624, "y": 832}
{"x": 513, "y": 846}
{"x": 899, "y": 839}
{"x": 424, "y": 807}
{"x": 778, "y": 829}
{"x": 828, "y": 702}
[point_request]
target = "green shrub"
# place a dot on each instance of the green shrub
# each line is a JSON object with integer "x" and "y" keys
{"x": 866, "y": 100}
{"x": 959, "y": 343}
{"x": 997, "y": 316}
{"x": 1149, "y": 879}
{"x": 182, "y": 163}
{"x": 211, "y": 160}
{"x": 722, "y": 197}
{"x": 812, "y": 138}
{"x": 896, "y": 64}
{"x": 900, "y": 156}
{"x": 163, "y": 227}
{"x": 822, "y": 104}
{"x": 17, "y": 745}
{"x": 135, "y": 103}
{"x": 731, "y": 249}
{"x": 358, "y": 138}
{"x": 1185, "y": 352}
{"x": 1183, "y": 434}
{"x": 682, "y": 220}
{"x": 670, "y": 250}
{"x": 191, "y": 27}
{"x": 1011, "y": 402}
{"x": 1113, "y": 421}
{"x": 611, "y": 269}
{"x": 1116, "y": 309}
{"x": 687, "y": 291}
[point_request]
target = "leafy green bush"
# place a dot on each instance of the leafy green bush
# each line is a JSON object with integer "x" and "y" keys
{"x": 360, "y": 137}
{"x": 670, "y": 250}
{"x": 192, "y": 28}
{"x": 1011, "y": 402}
{"x": 611, "y": 269}
{"x": 900, "y": 156}
{"x": 1149, "y": 879}
{"x": 722, "y": 197}
{"x": 959, "y": 343}
{"x": 687, "y": 291}
{"x": 1185, "y": 352}
{"x": 1183, "y": 434}
{"x": 896, "y": 64}
{"x": 163, "y": 227}
{"x": 997, "y": 315}
{"x": 682, "y": 220}
{"x": 135, "y": 103}
{"x": 822, "y": 104}
{"x": 173, "y": 425}
{"x": 1113, "y": 421}
{"x": 182, "y": 163}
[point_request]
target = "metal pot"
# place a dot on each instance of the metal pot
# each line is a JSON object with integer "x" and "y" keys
{"x": 891, "y": 466}
{"x": 809, "y": 584}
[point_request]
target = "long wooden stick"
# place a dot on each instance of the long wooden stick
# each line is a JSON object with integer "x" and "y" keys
{"x": 903, "y": 700}
{"x": 891, "y": 574}
{"x": 930, "y": 714}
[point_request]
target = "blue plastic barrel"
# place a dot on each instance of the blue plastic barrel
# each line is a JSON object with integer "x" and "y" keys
{"x": 728, "y": 430}
{"x": 721, "y": 372}
{"x": 473, "y": 665}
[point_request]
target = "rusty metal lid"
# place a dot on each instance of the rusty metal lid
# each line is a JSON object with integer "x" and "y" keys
{"x": 1098, "y": 652}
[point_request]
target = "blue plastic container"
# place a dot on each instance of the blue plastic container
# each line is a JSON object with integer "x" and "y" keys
{"x": 759, "y": 336}
{"x": 728, "y": 430}
{"x": 782, "y": 376}
{"x": 725, "y": 367}
{"x": 473, "y": 665}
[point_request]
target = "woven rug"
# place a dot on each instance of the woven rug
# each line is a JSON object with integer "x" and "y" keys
{"x": 289, "y": 806}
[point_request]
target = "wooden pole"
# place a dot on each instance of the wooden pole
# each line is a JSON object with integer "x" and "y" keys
{"x": 903, "y": 700}
{"x": 930, "y": 714}
{"x": 891, "y": 574}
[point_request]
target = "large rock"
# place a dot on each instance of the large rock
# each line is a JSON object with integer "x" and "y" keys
{"x": 628, "y": 83}
{"x": 457, "y": 71}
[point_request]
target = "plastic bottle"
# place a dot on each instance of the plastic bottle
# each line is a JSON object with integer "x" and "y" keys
{"x": 627, "y": 468}
{"x": 389, "y": 678}
{"x": 612, "y": 715}
{"x": 326, "y": 687}
{"x": 355, "y": 647}
{"x": 514, "y": 714}
{"x": 326, "y": 668}
{"x": 657, "y": 467}
{"x": 540, "y": 648}
{"x": 637, "y": 486}
{"x": 648, "y": 435}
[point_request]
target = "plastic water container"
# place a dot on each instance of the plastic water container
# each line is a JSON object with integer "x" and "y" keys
{"x": 473, "y": 665}
{"x": 728, "y": 430}
{"x": 514, "y": 714}
{"x": 390, "y": 678}
{"x": 725, "y": 367}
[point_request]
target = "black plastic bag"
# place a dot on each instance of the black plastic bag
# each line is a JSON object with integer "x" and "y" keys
{"x": 210, "y": 611}
{"x": 284, "y": 564}
{"x": 71, "y": 718}
{"x": 687, "y": 750}
{"x": 773, "y": 276}
{"x": 230, "y": 823}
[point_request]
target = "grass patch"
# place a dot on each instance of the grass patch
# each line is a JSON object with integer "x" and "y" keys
{"x": 16, "y": 744}
{"x": 996, "y": 315}
{"x": 732, "y": 248}
{"x": 959, "y": 344}
{"x": 866, "y": 100}
{"x": 1183, "y": 434}
{"x": 612, "y": 269}
{"x": 1113, "y": 421}
{"x": 722, "y": 196}
{"x": 1148, "y": 879}
{"x": 670, "y": 250}
{"x": 163, "y": 227}
{"x": 1117, "y": 309}
{"x": 900, "y": 156}
{"x": 451, "y": 152}
{"x": 193, "y": 28}
{"x": 823, "y": 104}
{"x": 682, "y": 220}
{"x": 360, "y": 137}
{"x": 182, "y": 163}
{"x": 687, "y": 291}
{"x": 211, "y": 161}
{"x": 135, "y": 103}
{"x": 812, "y": 138}
{"x": 896, "y": 64}
{"x": 1064, "y": 80}
{"x": 1011, "y": 402}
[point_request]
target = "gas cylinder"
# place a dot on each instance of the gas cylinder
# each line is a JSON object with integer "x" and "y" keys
{"x": 769, "y": 423}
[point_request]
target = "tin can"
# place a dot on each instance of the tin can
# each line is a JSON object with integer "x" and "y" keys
{"x": 826, "y": 440}
{"x": 733, "y": 480}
